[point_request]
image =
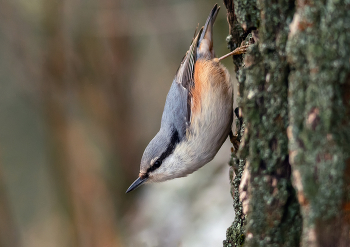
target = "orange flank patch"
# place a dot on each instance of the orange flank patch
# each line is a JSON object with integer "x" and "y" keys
{"x": 208, "y": 75}
{"x": 199, "y": 86}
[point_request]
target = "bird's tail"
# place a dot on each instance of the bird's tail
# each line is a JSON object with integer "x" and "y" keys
{"x": 205, "y": 43}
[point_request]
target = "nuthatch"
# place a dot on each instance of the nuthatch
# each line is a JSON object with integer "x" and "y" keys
{"x": 197, "y": 116}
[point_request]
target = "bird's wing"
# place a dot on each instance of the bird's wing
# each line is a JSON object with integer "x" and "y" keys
{"x": 185, "y": 73}
{"x": 177, "y": 110}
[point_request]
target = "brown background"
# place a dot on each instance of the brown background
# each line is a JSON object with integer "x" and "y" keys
{"x": 82, "y": 89}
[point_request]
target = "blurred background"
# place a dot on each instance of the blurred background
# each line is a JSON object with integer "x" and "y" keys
{"x": 82, "y": 89}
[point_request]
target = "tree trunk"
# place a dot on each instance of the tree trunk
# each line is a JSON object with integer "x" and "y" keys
{"x": 294, "y": 88}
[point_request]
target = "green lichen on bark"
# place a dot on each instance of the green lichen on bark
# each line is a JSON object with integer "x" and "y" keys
{"x": 235, "y": 234}
{"x": 236, "y": 32}
{"x": 319, "y": 132}
{"x": 273, "y": 217}
{"x": 247, "y": 13}
{"x": 308, "y": 94}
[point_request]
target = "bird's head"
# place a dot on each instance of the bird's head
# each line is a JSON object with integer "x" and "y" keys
{"x": 156, "y": 165}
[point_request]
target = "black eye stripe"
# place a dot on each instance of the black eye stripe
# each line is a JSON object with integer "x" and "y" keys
{"x": 170, "y": 149}
{"x": 174, "y": 140}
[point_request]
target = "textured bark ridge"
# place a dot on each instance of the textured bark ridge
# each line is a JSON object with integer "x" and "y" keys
{"x": 319, "y": 132}
{"x": 236, "y": 233}
{"x": 294, "y": 96}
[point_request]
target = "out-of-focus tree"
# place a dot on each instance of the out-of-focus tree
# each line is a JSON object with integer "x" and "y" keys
{"x": 83, "y": 84}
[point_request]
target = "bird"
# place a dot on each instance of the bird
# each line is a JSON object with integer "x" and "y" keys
{"x": 197, "y": 116}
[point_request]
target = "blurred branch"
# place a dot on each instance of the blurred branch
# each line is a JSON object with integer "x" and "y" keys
{"x": 78, "y": 173}
{"x": 9, "y": 235}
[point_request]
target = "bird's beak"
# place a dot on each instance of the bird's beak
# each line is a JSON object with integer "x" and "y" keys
{"x": 136, "y": 184}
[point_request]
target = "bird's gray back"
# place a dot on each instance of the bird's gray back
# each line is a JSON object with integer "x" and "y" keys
{"x": 175, "y": 114}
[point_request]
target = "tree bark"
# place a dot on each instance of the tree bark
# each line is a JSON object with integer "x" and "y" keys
{"x": 294, "y": 97}
{"x": 319, "y": 133}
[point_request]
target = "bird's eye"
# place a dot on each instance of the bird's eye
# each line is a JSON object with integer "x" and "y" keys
{"x": 157, "y": 164}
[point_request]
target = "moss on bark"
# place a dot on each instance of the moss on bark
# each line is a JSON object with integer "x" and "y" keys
{"x": 295, "y": 81}
{"x": 273, "y": 215}
{"x": 235, "y": 234}
{"x": 319, "y": 130}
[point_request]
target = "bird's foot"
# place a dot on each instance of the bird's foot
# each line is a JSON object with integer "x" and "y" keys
{"x": 234, "y": 140}
{"x": 237, "y": 51}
